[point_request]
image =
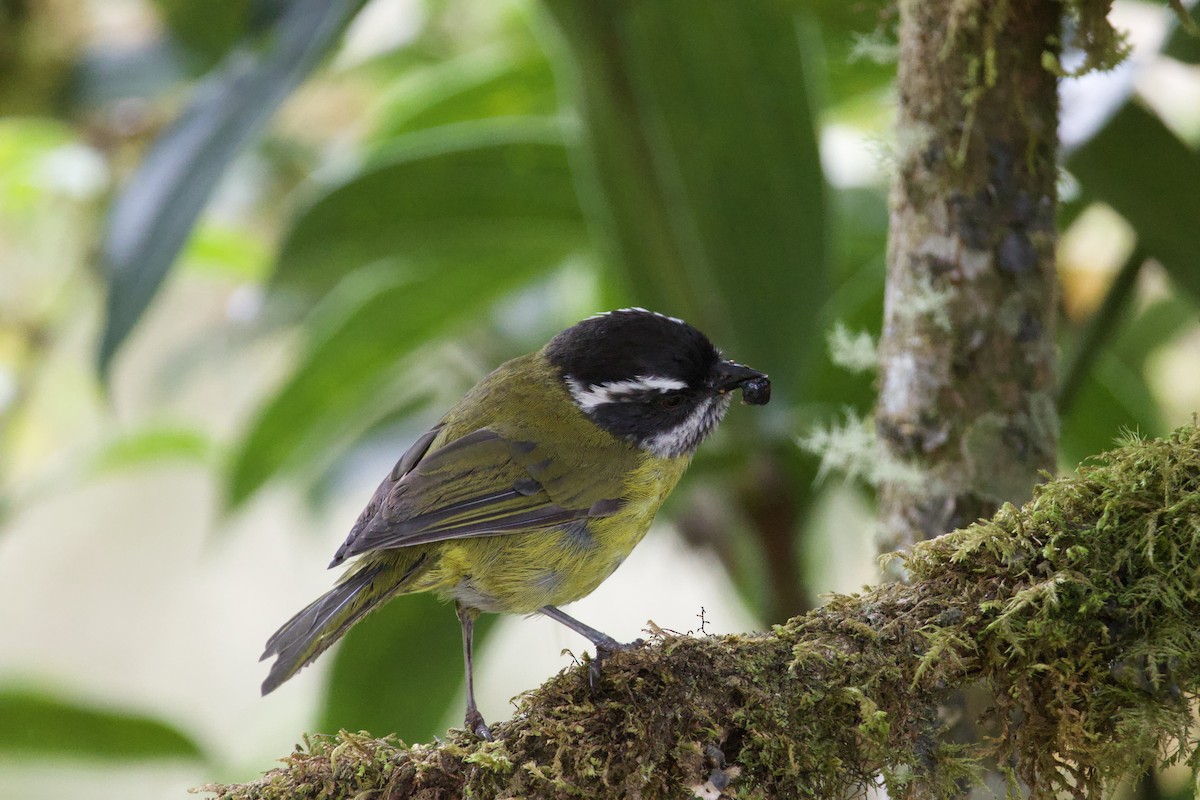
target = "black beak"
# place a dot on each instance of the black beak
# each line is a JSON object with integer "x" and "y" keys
{"x": 755, "y": 385}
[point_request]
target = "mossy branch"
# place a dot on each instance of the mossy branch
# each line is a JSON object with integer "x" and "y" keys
{"x": 1080, "y": 612}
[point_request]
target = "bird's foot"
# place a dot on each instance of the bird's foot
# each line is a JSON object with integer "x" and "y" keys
{"x": 477, "y": 726}
{"x": 605, "y": 648}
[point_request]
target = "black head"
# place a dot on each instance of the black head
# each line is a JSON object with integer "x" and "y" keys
{"x": 651, "y": 379}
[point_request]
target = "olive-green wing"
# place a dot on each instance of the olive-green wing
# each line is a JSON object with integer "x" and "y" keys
{"x": 481, "y": 484}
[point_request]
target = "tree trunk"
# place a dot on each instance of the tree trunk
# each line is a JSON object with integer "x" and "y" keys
{"x": 966, "y": 412}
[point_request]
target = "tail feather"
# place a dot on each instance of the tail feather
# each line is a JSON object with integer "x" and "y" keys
{"x": 324, "y": 621}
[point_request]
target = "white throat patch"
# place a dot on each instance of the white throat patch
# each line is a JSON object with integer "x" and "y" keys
{"x": 588, "y": 397}
{"x": 687, "y": 435}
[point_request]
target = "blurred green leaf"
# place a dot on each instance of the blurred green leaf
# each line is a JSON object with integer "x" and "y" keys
{"x": 37, "y": 724}
{"x": 1113, "y": 398}
{"x": 400, "y": 670}
{"x": 1115, "y": 395}
{"x": 701, "y": 169}
{"x": 207, "y": 30}
{"x": 422, "y": 239}
{"x": 494, "y": 82}
{"x": 860, "y": 46}
{"x": 346, "y": 377}
{"x": 1069, "y": 211}
{"x": 858, "y": 232}
{"x": 859, "y": 229}
{"x": 1183, "y": 45}
{"x": 150, "y": 445}
{"x": 1141, "y": 169}
{"x": 227, "y": 252}
{"x": 387, "y": 435}
{"x": 154, "y": 214}
{"x": 25, "y": 145}
{"x": 488, "y": 198}
{"x": 857, "y": 303}
{"x": 855, "y": 298}
{"x": 1093, "y": 336}
{"x": 1156, "y": 326}
{"x": 425, "y": 238}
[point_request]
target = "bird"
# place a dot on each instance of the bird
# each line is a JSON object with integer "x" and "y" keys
{"x": 534, "y": 487}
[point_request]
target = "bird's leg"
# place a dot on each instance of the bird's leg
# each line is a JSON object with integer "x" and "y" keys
{"x": 605, "y": 644}
{"x": 474, "y": 720}
{"x": 587, "y": 631}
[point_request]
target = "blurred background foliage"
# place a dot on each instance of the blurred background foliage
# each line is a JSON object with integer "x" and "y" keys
{"x": 267, "y": 242}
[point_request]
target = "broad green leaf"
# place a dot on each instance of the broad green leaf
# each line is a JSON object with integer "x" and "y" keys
{"x": 38, "y": 724}
{"x": 700, "y": 169}
{"x": 154, "y": 214}
{"x": 1141, "y": 169}
{"x": 500, "y": 81}
{"x": 489, "y": 198}
{"x": 400, "y": 670}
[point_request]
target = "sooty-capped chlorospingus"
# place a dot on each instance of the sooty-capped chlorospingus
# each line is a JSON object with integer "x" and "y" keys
{"x": 535, "y": 486}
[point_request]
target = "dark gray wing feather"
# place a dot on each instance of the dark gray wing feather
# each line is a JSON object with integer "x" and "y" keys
{"x": 415, "y": 452}
{"x": 481, "y": 484}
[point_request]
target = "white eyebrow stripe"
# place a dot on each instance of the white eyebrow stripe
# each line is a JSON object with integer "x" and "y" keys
{"x": 589, "y": 396}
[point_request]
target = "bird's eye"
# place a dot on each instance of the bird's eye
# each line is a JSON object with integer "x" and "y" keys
{"x": 670, "y": 401}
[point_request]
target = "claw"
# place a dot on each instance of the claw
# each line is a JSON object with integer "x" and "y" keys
{"x": 604, "y": 649}
{"x": 477, "y": 726}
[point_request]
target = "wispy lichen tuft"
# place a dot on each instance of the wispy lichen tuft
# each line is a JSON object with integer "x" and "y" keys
{"x": 850, "y": 448}
{"x": 877, "y": 47}
{"x": 854, "y": 351}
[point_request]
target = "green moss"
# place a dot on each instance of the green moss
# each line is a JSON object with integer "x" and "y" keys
{"x": 491, "y": 756}
{"x": 1095, "y": 625}
{"x": 1076, "y": 613}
